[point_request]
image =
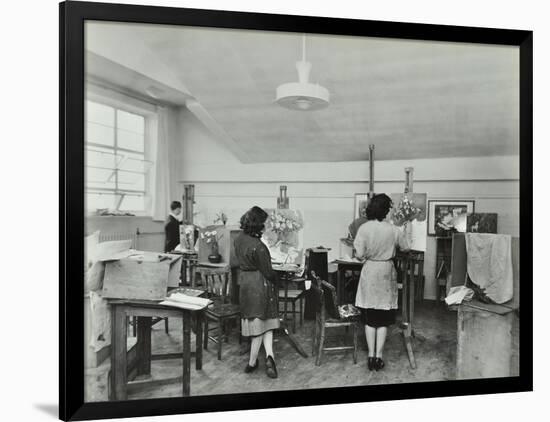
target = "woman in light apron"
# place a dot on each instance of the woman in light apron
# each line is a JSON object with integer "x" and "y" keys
{"x": 375, "y": 242}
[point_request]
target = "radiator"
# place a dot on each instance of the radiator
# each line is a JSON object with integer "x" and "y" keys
{"x": 106, "y": 237}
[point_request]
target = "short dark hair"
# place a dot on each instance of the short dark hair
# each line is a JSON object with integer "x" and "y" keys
{"x": 175, "y": 205}
{"x": 378, "y": 207}
{"x": 252, "y": 221}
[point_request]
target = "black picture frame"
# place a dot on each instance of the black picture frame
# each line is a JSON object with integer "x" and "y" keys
{"x": 432, "y": 217}
{"x": 72, "y": 16}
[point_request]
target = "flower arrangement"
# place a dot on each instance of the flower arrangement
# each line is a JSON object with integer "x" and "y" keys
{"x": 405, "y": 211}
{"x": 211, "y": 237}
{"x": 189, "y": 236}
{"x": 283, "y": 224}
{"x": 221, "y": 217}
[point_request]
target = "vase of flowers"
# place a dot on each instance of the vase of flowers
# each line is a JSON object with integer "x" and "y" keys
{"x": 211, "y": 238}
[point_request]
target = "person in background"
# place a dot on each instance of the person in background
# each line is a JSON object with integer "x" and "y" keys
{"x": 257, "y": 290}
{"x": 376, "y": 296}
{"x": 172, "y": 227}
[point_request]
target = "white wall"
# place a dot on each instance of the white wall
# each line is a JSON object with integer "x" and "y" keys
{"x": 324, "y": 192}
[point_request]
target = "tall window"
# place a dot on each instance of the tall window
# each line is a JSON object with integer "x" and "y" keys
{"x": 116, "y": 164}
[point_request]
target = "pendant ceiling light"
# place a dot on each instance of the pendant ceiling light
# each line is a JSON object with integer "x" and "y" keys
{"x": 302, "y": 95}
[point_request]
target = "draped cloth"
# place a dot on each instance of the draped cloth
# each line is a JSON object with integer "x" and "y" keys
{"x": 161, "y": 195}
{"x": 489, "y": 264}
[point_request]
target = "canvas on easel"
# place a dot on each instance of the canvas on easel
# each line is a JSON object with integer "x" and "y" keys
{"x": 283, "y": 235}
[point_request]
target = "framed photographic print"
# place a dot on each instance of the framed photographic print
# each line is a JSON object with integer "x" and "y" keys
{"x": 447, "y": 217}
{"x": 169, "y": 115}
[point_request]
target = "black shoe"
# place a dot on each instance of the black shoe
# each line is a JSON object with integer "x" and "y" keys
{"x": 370, "y": 363}
{"x": 270, "y": 368}
{"x": 250, "y": 369}
{"x": 379, "y": 364}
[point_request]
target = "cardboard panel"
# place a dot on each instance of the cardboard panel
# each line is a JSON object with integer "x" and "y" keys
{"x": 131, "y": 279}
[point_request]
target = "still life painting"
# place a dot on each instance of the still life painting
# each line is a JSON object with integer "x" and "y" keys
{"x": 283, "y": 235}
{"x": 411, "y": 207}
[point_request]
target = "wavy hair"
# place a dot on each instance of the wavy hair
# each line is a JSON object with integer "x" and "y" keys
{"x": 378, "y": 207}
{"x": 253, "y": 221}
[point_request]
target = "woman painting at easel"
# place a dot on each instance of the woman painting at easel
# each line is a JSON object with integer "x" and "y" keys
{"x": 375, "y": 242}
{"x": 257, "y": 292}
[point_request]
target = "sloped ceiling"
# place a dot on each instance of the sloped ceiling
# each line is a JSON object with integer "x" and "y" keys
{"x": 412, "y": 99}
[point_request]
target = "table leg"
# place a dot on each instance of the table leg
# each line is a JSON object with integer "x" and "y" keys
{"x": 285, "y": 301}
{"x": 119, "y": 376}
{"x": 198, "y": 340}
{"x": 340, "y": 279}
{"x": 411, "y": 295}
{"x": 144, "y": 345}
{"x": 183, "y": 272}
{"x": 192, "y": 274}
{"x": 186, "y": 382}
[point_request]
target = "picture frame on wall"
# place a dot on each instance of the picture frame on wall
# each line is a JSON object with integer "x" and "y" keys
{"x": 113, "y": 398}
{"x": 448, "y": 216}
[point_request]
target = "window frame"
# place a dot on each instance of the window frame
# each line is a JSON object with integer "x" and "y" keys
{"x": 119, "y": 101}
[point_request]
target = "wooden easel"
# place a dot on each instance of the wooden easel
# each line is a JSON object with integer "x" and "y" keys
{"x": 410, "y": 263}
{"x": 282, "y": 200}
{"x": 371, "y": 171}
{"x": 188, "y": 201}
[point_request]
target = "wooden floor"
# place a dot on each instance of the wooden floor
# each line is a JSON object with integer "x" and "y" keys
{"x": 435, "y": 350}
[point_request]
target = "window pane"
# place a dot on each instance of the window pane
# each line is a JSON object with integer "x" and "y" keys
{"x": 132, "y": 203}
{"x": 130, "y": 140}
{"x": 135, "y": 164}
{"x": 130, "y": 122}
{"x": 95, "y": 201}
{"x": 99, "y": 113}
{"x": 101, "y": 158}
{"x": 100, "y": 134}
{"x": 132, "y": 181}
{"x": 99, "y": 175}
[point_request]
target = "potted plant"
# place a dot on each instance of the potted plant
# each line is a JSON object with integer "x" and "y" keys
{"x": 211, "y": 238}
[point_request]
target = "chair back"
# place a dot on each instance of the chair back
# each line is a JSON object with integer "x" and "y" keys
{"x": 217, "y": 282}
{"x": 326, "y": 295}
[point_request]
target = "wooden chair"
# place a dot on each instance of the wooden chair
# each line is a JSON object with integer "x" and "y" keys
{"x": 328, "y": 317}
{"x": 217, "y": 283}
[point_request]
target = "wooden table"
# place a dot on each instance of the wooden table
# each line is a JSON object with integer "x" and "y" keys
{"x": 145, "y": 311}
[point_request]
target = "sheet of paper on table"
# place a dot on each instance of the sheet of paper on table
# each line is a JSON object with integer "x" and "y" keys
{"x": 183, "y": 301}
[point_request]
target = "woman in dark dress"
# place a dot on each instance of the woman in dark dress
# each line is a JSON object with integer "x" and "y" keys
{"x": 257, "y": 289}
